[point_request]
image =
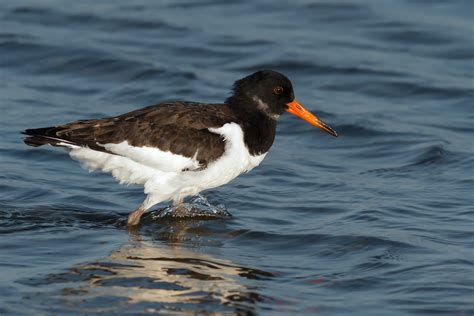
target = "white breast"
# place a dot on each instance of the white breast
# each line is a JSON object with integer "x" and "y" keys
{"x": 235, "y": 160}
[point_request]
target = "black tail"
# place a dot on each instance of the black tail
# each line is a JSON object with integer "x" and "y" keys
{"x": 43, "y": 136}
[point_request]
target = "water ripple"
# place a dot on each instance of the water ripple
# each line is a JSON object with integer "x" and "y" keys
{"x": 376, "y": 221}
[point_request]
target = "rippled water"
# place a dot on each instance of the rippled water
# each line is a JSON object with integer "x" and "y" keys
{"x": 376, "y": 222}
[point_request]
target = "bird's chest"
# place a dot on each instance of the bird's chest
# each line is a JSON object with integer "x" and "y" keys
{"x": 235, "y": 160}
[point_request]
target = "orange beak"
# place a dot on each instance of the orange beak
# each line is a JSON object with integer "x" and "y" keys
{"x": 294, "y": 107}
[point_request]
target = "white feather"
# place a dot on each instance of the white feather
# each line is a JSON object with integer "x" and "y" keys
{"x": 153, "y": 157}
{"x": 162, "y": 172}
{"x": 122, "y": 168}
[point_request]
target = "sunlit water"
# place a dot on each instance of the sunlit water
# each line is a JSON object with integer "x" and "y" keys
{"x": 376, "y": 222}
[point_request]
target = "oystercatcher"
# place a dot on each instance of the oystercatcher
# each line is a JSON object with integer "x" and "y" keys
{"x": 178, "y": 149}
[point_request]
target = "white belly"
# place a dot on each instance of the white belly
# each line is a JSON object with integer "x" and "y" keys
{"x": 169, "y": 182}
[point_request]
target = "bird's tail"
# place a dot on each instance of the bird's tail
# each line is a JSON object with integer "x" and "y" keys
{"x": 44, "y": 136}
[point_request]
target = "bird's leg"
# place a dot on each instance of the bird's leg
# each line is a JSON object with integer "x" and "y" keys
{"x": 134, "y": 217}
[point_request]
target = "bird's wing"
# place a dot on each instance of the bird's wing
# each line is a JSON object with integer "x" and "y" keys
{"x": 169, "y": 136}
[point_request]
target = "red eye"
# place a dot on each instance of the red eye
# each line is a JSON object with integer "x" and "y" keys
{"x": 278, "y": 90}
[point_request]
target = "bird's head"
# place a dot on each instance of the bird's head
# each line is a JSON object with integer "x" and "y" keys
{"x": 271, "y": 93}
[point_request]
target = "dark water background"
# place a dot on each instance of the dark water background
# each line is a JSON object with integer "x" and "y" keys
{"x": 376, "y": 222}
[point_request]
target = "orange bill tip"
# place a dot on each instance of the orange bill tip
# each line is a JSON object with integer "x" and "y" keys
{"x": 295, "y": 108}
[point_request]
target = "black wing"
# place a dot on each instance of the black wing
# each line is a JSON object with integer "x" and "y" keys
{"x": 178, "y": 127}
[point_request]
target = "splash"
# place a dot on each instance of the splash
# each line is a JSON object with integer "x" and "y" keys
{"x": 198, "y": 206}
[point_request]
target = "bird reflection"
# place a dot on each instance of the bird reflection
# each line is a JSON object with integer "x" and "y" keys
{"x": 168, "y": 273}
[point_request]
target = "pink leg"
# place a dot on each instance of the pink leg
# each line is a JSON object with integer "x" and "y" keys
{"x": 134, "y": 217}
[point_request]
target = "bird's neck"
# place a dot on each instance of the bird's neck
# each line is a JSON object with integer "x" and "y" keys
{"x": 258, "y": 128}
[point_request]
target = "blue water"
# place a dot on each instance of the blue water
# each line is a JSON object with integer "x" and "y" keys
{"x": 378, "y": 221}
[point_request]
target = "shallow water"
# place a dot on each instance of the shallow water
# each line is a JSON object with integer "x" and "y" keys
{"x": 377, "y": 221}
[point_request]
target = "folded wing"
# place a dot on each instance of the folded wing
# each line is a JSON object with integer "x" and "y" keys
{"x": 169, "y": 136}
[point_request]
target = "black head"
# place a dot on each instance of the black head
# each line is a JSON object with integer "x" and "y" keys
{"x": 270, "y": 93}
{"x": 266, "y": 91}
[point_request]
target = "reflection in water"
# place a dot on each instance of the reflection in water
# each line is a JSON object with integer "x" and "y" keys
{"x": 155, "y": 277}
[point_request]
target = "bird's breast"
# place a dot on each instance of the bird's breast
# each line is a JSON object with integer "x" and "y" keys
{"x": 235, "y": 160}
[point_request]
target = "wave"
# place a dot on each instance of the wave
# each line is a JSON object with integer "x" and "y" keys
{"x": 436, "y": 154}
{"x": 52, "y": 17}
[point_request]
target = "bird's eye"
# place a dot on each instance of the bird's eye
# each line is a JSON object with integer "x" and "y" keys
{"x": 278, "y": 90}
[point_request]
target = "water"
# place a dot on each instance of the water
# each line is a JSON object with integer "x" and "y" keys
{"x": 376, "y": 222}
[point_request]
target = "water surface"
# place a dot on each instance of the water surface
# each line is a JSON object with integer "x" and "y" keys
{"x": 375, "y": 222}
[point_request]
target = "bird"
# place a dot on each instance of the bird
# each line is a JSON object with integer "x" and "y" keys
{"x": 177, "y": 149}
